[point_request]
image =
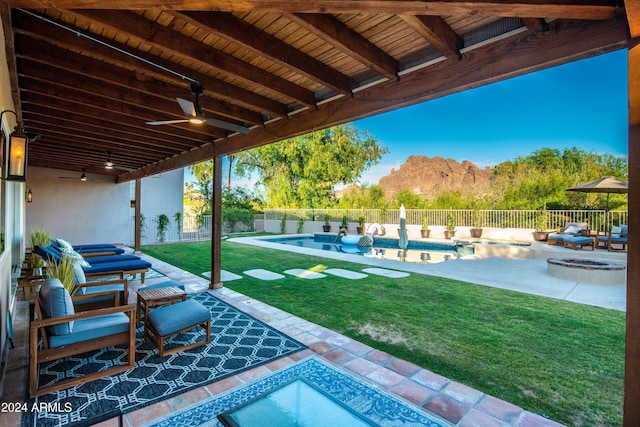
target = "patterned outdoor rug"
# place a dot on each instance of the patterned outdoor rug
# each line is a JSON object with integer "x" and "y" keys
{"x": 238, "y": 342}
{"x": 377, "y": 407}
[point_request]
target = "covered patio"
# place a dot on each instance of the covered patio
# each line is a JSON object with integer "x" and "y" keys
{"x": 87, "y": 78}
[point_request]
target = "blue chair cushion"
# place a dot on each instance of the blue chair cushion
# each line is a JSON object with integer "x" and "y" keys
{"x": 557, "y": 236}
{"x": 55, "y": 301}
{"x": 172, "y": 318}
{"x": 112, "y": 258}
{"x": 578, "y": 240}
{"x": 97, "y": 289}
{"x": 87, "y": 251}
{"x": 92, "y": 328}
{"x": 165, "y": 284}
{"x": 109, "y": 267}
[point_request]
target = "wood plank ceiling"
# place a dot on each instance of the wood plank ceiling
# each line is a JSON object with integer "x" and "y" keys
{"x": 89, "y": 75}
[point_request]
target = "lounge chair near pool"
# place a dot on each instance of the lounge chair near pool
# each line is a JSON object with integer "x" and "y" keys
{"x": 570, "y": 230}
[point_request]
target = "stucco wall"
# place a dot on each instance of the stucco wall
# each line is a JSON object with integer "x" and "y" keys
{"x": 95, "y": 211}
{"x": 162, "y": 194}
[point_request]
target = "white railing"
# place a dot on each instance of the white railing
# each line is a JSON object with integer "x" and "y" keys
{"x": 200, "y": 229}
{"x": 527, "y": 219}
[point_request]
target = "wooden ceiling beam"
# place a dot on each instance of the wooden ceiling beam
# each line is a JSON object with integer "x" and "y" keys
{"x": 568, "y": 9}
{"x": 165, "y": 108}
{"x": 436, "y": 31}
{"x": 45, "y": 114}
{"x": 260, "y": 43}
{"x": 107, "y": 105}
{"x": 85, "y": 139}
{"x": 72, "y": 131}
{"x": 64, "y": 68}
{"x": 58, "y": 107}
{"x": 149, "y": 33}
{"x": 338, "y": 34}
{"x": 535, "y": 24}
{"x": 52, "y": 35}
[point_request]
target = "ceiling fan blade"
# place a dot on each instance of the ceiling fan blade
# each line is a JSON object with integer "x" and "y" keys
{"x": 188, "y": 107}
{"x": 167, "y": 122}
{"x": 122, "y": 168}
{"x": 227, "y": 125}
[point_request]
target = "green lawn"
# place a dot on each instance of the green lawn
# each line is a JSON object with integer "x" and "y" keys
{"x": 550, "y": 357}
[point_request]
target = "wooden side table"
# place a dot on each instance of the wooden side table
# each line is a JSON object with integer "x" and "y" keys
{"x": 150, "y": 298}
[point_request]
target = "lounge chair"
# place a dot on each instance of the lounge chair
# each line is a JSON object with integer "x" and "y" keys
{"x": 127, "y": 266}
{"x": 571, "y": 229}
{"x": 618, "y": 236}
{"x": 91, "y": 250}
{"x": 59, "y": 331}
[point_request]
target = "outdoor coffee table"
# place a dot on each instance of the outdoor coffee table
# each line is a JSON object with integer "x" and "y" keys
{"x": 149, "y": 298}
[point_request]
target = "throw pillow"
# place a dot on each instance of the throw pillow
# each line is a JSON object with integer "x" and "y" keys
{"x": 64, "y": 244}
{"x": 75, "y": 257}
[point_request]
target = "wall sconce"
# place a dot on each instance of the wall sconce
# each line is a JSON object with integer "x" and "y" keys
{"x": 16, "y": 162}
{"x": 29, "y": 196}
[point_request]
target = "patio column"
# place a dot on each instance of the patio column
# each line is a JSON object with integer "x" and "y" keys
{"x": 216, "y": 223}
{"x": 632, "y": 352}
{"x": 137, "y": 229}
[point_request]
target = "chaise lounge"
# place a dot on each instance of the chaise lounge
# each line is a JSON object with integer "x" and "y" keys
{"x": 570, "y": 230}
{"x": 115, "y": 265}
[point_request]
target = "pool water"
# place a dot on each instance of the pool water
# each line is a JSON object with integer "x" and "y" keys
{"x": 383, "y": 248}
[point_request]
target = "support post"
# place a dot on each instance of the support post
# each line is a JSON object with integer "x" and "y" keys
{"x": 216, "y": 223}
{"x": 631, "y": 415}
{"x": 137, "y": 232}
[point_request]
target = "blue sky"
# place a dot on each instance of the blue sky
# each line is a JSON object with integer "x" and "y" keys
{"x": 581, "y": 104}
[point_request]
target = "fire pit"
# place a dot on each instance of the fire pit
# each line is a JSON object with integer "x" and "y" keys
{"x": 587, "y": 271}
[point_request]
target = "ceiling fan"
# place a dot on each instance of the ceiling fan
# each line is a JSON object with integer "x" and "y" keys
{"x": 194, "y": 114}
{"x": 82, "y": 177}
{"x": 108, "y": 164}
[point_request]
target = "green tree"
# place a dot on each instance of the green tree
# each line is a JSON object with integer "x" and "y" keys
{"x": 542, "y": 177}
{"x": 203, "y": 188}
{"x": 302, "y": 172}
{"x": 365, "y": 197}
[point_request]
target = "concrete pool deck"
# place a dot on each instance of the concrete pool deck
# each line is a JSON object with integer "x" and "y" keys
{"x": 516, "y": 268}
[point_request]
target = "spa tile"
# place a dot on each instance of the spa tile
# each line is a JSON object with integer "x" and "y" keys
{"x": 533, "y": 420}
{"x": 321, "y": 347}
{"x": 463, "y": 393}
{"x": 477, "y": 419}
{"x": 279, "y": 363}
{"x": 403, "y": 367}
{"x": 385, "y": 377}
{"x": 448, "y": 408}
{"x": 429, "y": 379}
{"x": 224, "y": 385}
{"x": 149, "y": 413}
{"x": 254, "y": 373}
{"x": 413, "y": 392}
{"x": 379, "y": 357}
{"x": 189, "y": 398}
{"x": 500, "y": 409}
{"x": 357, "y": 348}
{"x": 338, "y": 356}
{"x": 361, "y": 366}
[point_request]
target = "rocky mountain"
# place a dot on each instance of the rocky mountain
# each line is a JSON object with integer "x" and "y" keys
{"x": 432, "y": 176}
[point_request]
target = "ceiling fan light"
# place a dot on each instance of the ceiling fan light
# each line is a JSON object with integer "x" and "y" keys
{"x": 196, "y": 121}
{"x": 108, "y": 165}
{"x": 83, "y": 177}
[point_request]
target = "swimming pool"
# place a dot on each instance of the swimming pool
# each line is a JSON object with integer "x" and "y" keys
{"x": 383, "y": 248}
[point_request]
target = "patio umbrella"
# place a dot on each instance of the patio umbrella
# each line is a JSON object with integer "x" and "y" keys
{"x": 607, "y": 184}
{"x": 403, "y": 241}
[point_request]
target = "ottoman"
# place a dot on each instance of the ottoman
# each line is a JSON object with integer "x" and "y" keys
{"x": 173, "y": 319}
{"x": 579, "y": 242}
